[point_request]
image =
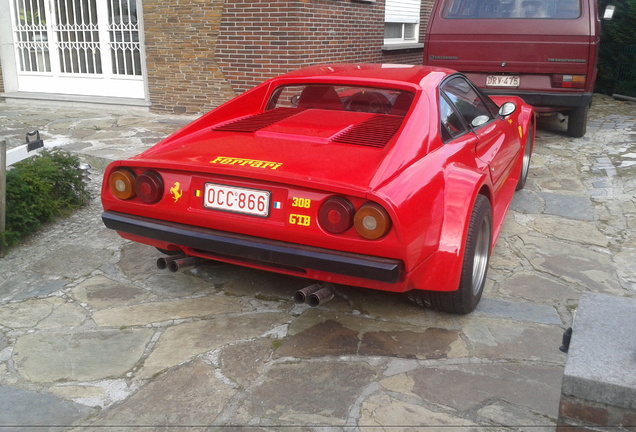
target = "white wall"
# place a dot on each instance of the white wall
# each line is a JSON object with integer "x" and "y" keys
{"x": 7, "y": 52}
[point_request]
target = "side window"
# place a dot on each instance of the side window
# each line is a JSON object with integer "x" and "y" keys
{"x": 468, "y": 102}
{"x": 452, "y": 125}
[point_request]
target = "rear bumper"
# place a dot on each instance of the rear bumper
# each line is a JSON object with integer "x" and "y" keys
{"x": 254, "y": 249}
{"x": 556, "y": 101}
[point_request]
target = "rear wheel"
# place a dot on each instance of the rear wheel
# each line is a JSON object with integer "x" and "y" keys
{"x": 577, "y": 121}
{"x": 474, "y": 267}
{"x": 525, "y": 164}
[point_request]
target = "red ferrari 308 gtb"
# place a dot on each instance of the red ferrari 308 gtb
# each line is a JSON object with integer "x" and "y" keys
{"x": 388, "y": 177}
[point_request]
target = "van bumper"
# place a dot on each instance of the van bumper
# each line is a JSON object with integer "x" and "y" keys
{"x": 546, "y": 101}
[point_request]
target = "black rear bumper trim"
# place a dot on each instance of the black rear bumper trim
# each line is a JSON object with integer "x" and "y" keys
{"x": 545, "y": 99}
{"x": 254, "y": 249}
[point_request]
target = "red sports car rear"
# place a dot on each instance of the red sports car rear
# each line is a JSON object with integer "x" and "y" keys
{"x": 351, "y": 174}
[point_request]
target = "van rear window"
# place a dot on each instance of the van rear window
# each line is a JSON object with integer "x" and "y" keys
{"x": 512, "y": 9}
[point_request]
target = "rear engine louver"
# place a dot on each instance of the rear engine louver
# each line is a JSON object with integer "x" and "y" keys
{"x": 373, "y": 132}
{"x": 258, "y": 121}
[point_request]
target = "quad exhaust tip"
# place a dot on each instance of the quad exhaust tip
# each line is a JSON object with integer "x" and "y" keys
{"x": 315, "y": 295}
{"x": 175, "y": 263}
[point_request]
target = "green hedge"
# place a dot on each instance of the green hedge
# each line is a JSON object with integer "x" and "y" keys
{"x": 617, "y": 51}
{"x": 39, "y": 189}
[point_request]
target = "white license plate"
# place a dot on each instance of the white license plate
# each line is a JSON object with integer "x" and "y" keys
{"x": 237, "y": 200}
{"x": 503, "y": 81}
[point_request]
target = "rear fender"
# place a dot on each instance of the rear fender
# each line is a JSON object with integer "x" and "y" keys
{"x": 441, "y": 272}
{"x": 527, "y": 121}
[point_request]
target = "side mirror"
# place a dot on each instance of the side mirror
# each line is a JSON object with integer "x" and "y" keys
{"x": 294, "y": 100}
{"x": 506, "y": 109}
{"x": 609, "y": 12}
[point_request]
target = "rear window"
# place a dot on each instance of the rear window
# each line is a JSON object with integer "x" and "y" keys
{"x": 512, "y": 9}
{"x": 342, "y": 98}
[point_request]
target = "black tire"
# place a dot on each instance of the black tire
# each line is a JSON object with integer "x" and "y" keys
{"x": 474, "y": 268}
{"x": 525, "y": 164}
{"x": 577, "y": 121}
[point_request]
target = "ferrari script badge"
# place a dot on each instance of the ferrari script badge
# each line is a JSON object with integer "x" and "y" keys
{"x": 223, "y": 160}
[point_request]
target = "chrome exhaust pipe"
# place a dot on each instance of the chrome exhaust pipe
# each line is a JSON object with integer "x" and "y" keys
{"x": 163, "y": 262}
{"x": 323, "y": 295}
{"x": 301, "y": 295}
{"x": 181, "y": 264}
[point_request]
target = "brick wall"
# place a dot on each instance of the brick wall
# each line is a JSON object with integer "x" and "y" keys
{"x": 407, "y": 56}
{"x": 582, "y": 415}
{"x": 201, "y": 53}
{"x": 183, "y": 76}
{"x": 261, "y": 39}
{"x": 425, "y": 13}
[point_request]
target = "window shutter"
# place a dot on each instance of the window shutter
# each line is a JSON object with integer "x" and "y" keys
{"x": 402, "y": 11}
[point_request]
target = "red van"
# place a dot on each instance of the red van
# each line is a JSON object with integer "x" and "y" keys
{"x": 544, "y": 51}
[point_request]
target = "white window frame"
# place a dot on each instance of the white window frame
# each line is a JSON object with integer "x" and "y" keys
{"x": 403, "y": 38}
{"x": 405, "y": 13}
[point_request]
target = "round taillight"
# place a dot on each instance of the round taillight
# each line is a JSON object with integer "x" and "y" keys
{"x": 149, "y": 187}
{"x": 372, "y": 221}
{"x": 336, "y": 215}
{"x": 121, "y": 184}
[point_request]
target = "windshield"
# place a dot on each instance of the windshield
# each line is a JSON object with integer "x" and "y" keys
{"x": 343, "y": 98}
{"x": 512, "y": 9}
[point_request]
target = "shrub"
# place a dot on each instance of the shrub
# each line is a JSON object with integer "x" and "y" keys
{"x": 618, "y": 49}
{"x": 39, "y": 189}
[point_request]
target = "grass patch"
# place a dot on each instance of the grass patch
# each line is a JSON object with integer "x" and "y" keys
{"x": 277, "y": 343}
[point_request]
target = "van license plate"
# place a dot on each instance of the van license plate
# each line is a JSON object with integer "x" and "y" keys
{"x": 503, "y": 81}
{"x": 236, "y": 200}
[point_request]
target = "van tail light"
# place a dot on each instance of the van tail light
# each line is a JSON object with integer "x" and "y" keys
{"x": 121, "y": 184}
{"x": 372, "y": 221}
{"x": 149, "y": 187}
{"x": 568, "y": 81}
{"x": 336, "y": 215}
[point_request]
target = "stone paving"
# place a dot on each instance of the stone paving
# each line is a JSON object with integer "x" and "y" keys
{"x": 93, "y": 335}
